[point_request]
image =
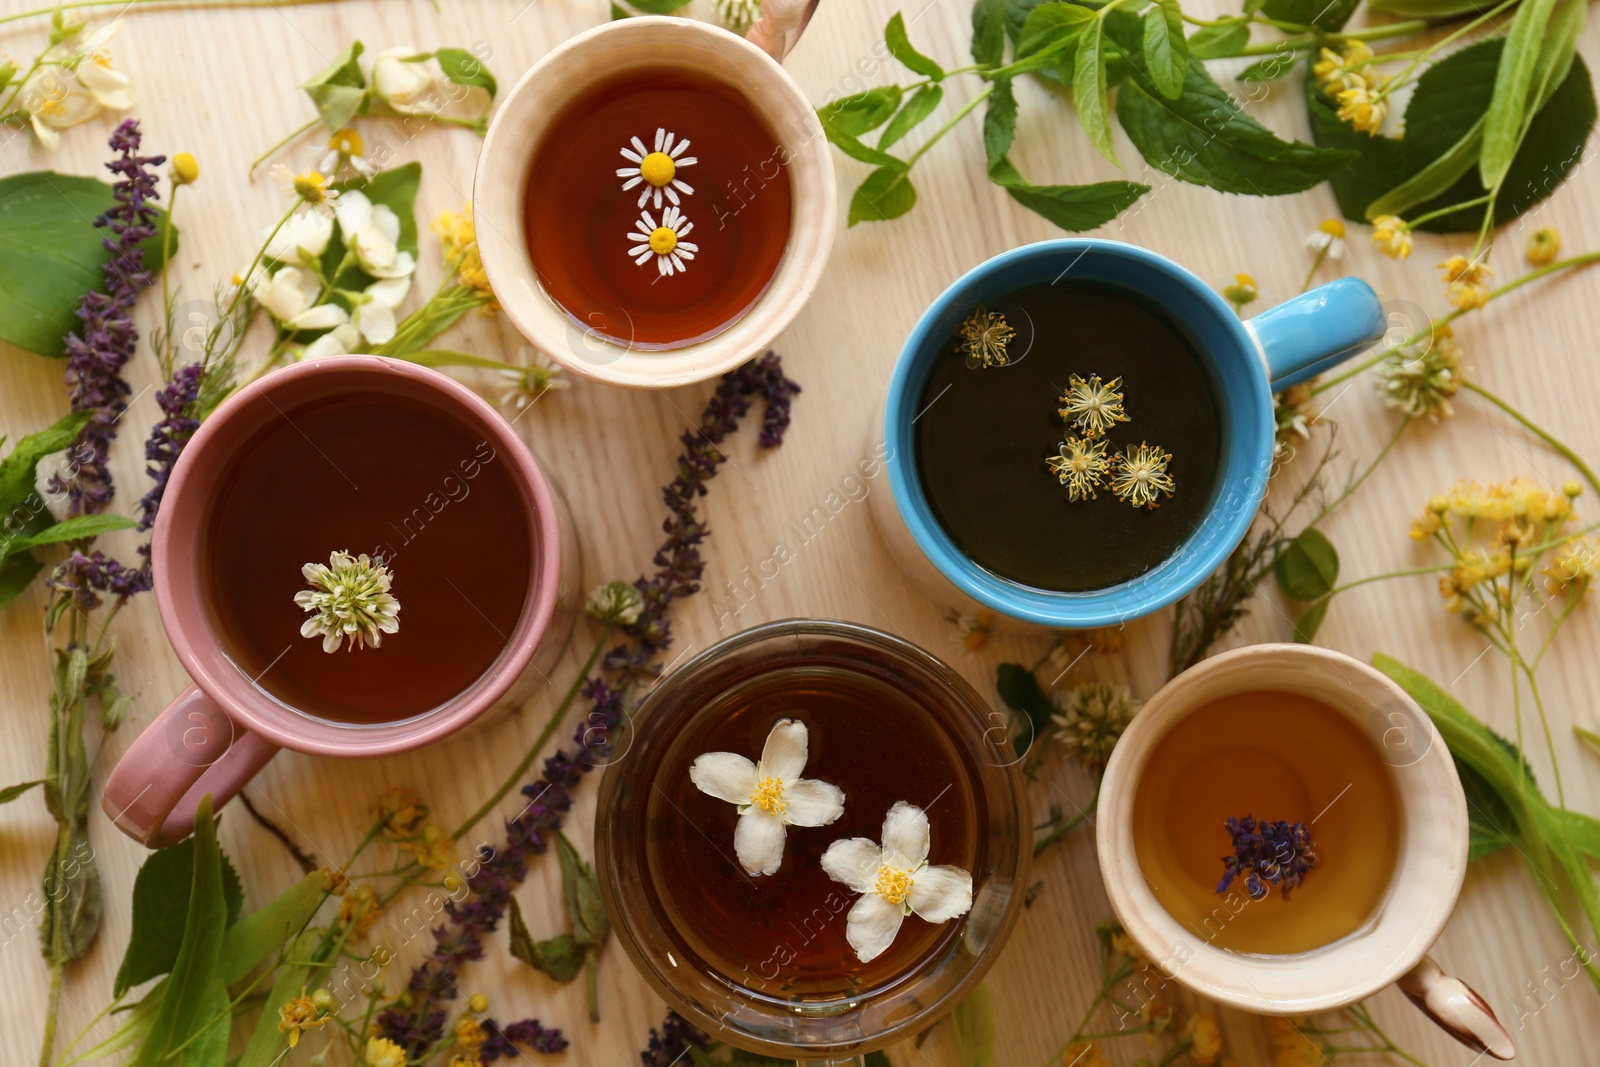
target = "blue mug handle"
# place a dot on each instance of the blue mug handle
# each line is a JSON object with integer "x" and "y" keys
{"x": 1305, "y": 336}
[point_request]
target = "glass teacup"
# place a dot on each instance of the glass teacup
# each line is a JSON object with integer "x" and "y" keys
{"x": 763, "y": 963}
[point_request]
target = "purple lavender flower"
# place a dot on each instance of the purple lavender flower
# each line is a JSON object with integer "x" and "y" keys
{"x": 668, "y": 1045}
{"x": 635, "y": 660}
{"x": 1280, "y": 853}
{"x": 167, "y": 437}
{"x": 97, "y": 351}
{"x": 502, "y": 1042}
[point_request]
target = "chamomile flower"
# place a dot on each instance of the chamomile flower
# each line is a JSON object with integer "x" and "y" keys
{"x": 1139, "y": 474}
{"x": 312, "y": 186}
{"x": 1243, "y": 291}
{"x": 895, "y": 880}
{"x": 984, "y": 335}
{"x": 1392, "y": 236}
{"x": 1544, "y": 246}
{"x": 664, "y": 242}
{"x": 770, "y": 794}
{"x": 1466, "y": 282}
{"x": 657, "y": 171}
{"x": 1081, "y": 466}
{"x": 345, "y": 149}
{"x": 349, "y": 599}
{"x": 1092, "y": 406}
{"x": 1327, "y": 240}
{"x": 524, "y": 385}
{"x": 1292, "y": 415}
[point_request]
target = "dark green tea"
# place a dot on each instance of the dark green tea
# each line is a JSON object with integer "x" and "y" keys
{"x": 985, "y": 433}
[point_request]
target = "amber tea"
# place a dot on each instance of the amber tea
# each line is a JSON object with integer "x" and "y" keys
{"x": 405, "y": 483}
{"x": 658, "y": 207}
{"x": 1270, "y": 756}
{"x": 784, "y": 934}
{"x": 1068, "y": 438}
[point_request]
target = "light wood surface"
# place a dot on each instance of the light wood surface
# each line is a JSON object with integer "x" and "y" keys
{"x": 221, "y": 83}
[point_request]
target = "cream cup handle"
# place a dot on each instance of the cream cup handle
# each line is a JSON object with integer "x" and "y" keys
{"x": 778, "y": 28}
{"x": 1457, "y": 1009}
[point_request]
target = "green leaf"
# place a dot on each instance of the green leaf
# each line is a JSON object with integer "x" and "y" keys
{"x": 617, "y": 12}
{"x": 1219, "y": 42}
{"x": 1325, "y": 15}
{"x": 857, "y": 114}
{"x": 1050, "y": 36}
{"x": 1269, "y": 69}
{"x": 988, "y": 32}
{"x": 78, "y": 528}
{"x": 886, "y": 194}
{"x": 12, "y": 792}
{"x": 586, "y": 910}
{"x": 660, "y": 7}
{"x": 1166, "y": 53}
{"x": 855, "y": 148}
{"x": 1205, "y": 138}
{"x": 339, "y": 91}
{"x": 447, "y": 357}
{"x": 1089, "y": 89}
{"x": 1588, "y": 737}
{"x": 51, "y": 254}
{"x": 999, "y": 124}
{"x": 877, "y": 1059}
{"x": 1508, "y": 102}
{"x": 1308, "y": 568}
{"x": 464, "y": 68}
{"x": 894, "y": 36}
{"x": 561, "y": 957}
{"x": 72, "y": 889}
{"x": 268, "y": 1044}
{"x": 161, "y": 893}
{"x": 1020, "y": 691}
{"x": 1074, "y": 208}
{"x": 20, "y": 470}
{"x": 1432, "y": 181}
{"x": 186, "y": 1008}
{"x": 1490, "y": 825}
{"x": 1584, "y": 830}
{"x": 1306, "y": 627}
{"x": 975, "y": 1027}
{"x": 255, "y": 937}
{"x": 15, "y": 575}
{"x": 915, "y": 111}
{"x": 1431, "y": 9}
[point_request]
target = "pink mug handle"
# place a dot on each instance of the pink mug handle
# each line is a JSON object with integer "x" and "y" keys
{"x": 193, "y": 748}
{"x": 779, "y": 26}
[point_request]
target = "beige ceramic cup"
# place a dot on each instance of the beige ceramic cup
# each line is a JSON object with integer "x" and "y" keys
{"x": 658, "y": 43}
{"x": 1392, "y": 948}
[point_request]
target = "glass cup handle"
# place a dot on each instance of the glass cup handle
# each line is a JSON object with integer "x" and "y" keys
{"x": 778, "y": 28}
{"x": 853, "y": 1061}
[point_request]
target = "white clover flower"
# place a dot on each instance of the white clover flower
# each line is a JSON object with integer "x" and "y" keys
{"x": 371, "y": 232}
{"x": 770, "y": 794}
{"x": 350, "y": 600}
{"x": 615, "y": 602}
{"x": 894, "y": 881}
{"x": 301, "y": 240}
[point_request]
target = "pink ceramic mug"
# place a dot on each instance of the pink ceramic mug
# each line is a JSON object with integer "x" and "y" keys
{"x": 224, "y": 728}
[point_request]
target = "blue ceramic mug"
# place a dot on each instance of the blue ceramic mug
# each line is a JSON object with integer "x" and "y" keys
{"x": 1245, "y": 361}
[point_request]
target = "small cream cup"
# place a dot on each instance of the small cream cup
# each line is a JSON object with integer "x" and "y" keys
{"x": 659, "y": 43}
{"x": 1392, "y": 948}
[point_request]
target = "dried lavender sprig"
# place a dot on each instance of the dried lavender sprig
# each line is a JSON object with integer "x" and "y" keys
{"x": 502, "y": 1042}
{"x": 1280, "y": 853}
{"x": 669, "y": 1045}
{"x": 97, "y": 350}
{"x": 679, "y": 569}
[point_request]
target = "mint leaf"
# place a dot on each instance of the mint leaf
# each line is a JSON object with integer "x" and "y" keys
{"x": 590, "y": 924}
{"x": 1166, "y": 52}
{"x": 1325, "y": 15}
{"x": 1074, "y": 208}
{"x": 988, "y": 32}
{"x": 561, "y": 957}
{"x": 861, "y": 112}
{"x": 1204, "y": 137}
{"x": 909, "y": 117}
{"x": 894, "y": 35}
{"x": 886, "y": 194}
{"x": 1089, "y": 89}
{"x": 1218, "y": 42}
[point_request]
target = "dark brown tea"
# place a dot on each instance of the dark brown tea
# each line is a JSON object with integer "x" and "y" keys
{"x": 984, "y": 435}
{"x": 394, "y": 478}
{"x": 783, "y": 935}
{"x": 658, "y": 207}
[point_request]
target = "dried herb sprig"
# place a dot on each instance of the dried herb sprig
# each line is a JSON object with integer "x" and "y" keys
{"x": 1267, "y": 853}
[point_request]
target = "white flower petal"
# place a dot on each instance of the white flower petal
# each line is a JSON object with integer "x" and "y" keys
{"x": 758, "y": 842}
{"x": 403, "y": 266}
{"x": 110, "y": 88}
{"x": 321, "y": 317}
{"x": 387, "y": 222}
{"x": 905, "y": 836}
{"x": 376, "y": 322}
{"x": 853, "y": 861}
{"x": 939, "y": 894}
{"x": 354, "y": 212}
{"x": 812, "y": 803}
{"x": 390, "y": 291}
{"x": 336, "y": 342}
{"x": 724, "y": 775}
{"x": 784, "y": 754}
{"x": 871, "y": 925}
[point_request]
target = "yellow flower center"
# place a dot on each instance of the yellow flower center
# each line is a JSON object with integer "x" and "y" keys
{"x": 658, "y": 169}
{"x": 662, "y": 241}
{"x": 894, "y": 884}
{"x": 768, "y": 795}
{"x": 1333, "y": 228}
{"x": 311, "y": 186}
{"x": 347, "y": 141}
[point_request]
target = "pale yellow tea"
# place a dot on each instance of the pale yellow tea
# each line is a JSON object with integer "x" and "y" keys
{"x": 1270, "y": 756}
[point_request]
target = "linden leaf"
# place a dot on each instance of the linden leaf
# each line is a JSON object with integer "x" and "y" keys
{"x": 1309, "y": 567}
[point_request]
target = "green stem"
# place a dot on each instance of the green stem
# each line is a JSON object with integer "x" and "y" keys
{"x": 166, "y": 262}
{"x": 1316, "y": 40}
{"x": 1065, "y": 828}
{"x": 1322, "y": 254}
{"x": 1452, "y": 209}
{"x": 556, "y": 719}
{"x": 159, "y": 5}
{"x": 38, "y": 61}
{"x": 946, "y": 128}
{"x": 300, "y": 132}
{"x": 1391, "y": 574}
{"x": 1528, "y": 424}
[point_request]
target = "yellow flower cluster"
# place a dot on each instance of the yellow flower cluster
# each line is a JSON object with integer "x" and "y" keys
{"x": 1355, "y": 84}
{"x": 1466, "y": 282}
{"x": 358, "y": 909}
{"x": 433, "y": 848}
{"x": 401, "y": 813}
{"x": 1577, "y": 564}
{"x": 1392, "y": 236}
{"x": 297, "y": 1015}
{"x": 1291, "y": 1048}
{"x": 459, "y": 234}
